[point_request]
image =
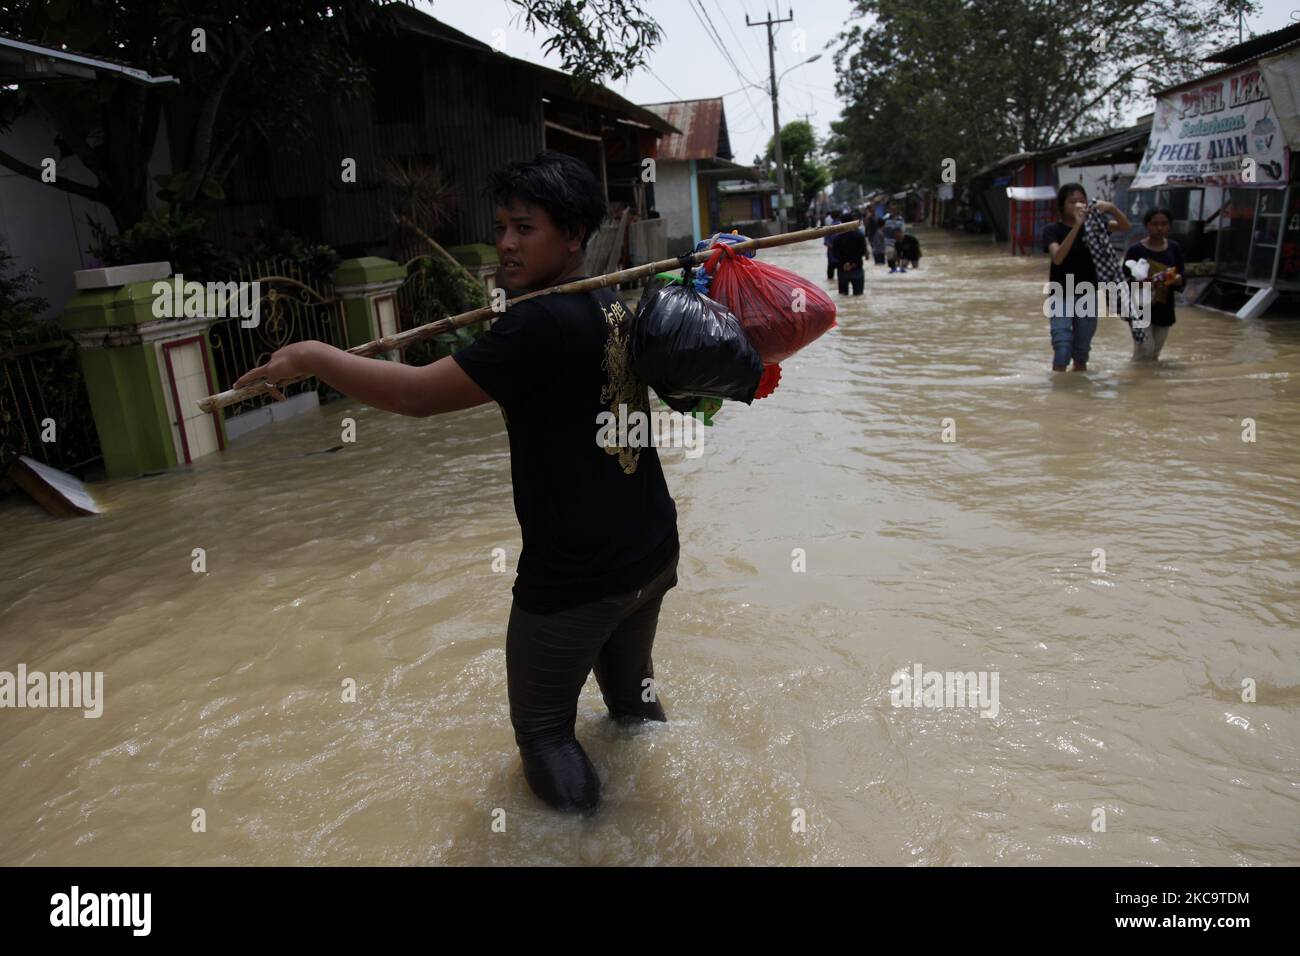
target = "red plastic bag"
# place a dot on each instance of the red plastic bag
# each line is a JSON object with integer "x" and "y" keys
{"x": 780, "y": 311}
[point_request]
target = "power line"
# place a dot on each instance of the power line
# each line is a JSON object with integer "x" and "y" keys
{"x": 814, "y": 86}
{"x": 750, "y": 112}
{"x": 712, "y": 33}
{"x": 735, "y": 36}
{"x": 834, "y": 104}
{"x": 717, "y": 42}
{"x": 709, "y": 33}
{"x": 675, "y": 94}
{"x": 753, "y": 111}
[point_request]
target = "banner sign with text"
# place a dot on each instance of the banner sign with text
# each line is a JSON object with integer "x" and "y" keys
{"x": 1217, "y": 132}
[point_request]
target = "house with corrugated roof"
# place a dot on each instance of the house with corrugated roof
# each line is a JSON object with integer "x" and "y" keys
{"x": 698, "y": 189}
{"x": 440, "y": 101}
{"x": 445, "y": 100}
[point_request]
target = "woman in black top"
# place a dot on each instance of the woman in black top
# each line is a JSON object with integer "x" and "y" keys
{"x": 1072, "y": 302}
{"x": 1165, "y": 258}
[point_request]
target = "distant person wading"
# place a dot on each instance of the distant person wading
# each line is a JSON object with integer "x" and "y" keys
{"x": 850, "y": 249}
{"x": 828, "y": 242}
{"x": 876, "y": 238}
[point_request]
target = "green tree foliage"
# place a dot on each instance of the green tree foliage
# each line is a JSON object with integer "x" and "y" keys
{"x": 441, "y": 289}
{"x": 266, "y": 64}
{"x": 805, "y": 174}
{"x": 38, "y": 361}
{"x": 975, "y": 80}
{"x": 18, "y": 307}
{"x": 595, "y": 39}
{"x": 170, "y": 235}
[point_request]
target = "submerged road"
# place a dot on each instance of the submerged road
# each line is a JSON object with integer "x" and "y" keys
{"x": 1104, "y": 544}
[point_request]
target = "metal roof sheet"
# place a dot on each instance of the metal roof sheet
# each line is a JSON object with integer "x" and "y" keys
{"x": 1255, "y": 47}
{"x": 553, "y": 82}
{"x": 25, "y": 60}
{"x": 703, "y": 125}
{"x": 1125, "y": 141}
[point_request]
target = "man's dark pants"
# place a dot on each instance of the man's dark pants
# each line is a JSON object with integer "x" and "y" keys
{"x": 854, "y": 277}
{"x": 548, "y": 658}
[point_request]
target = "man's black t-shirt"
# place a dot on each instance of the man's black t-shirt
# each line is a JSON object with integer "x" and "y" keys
{"x": 1077, "y": 261}
{"x": 596, "y": 521}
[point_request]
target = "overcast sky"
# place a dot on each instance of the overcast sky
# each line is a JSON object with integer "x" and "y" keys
{"x": 687, "y": 64}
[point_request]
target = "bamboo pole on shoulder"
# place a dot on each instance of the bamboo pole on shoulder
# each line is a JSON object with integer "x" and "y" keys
{"x": 399, "y": 340}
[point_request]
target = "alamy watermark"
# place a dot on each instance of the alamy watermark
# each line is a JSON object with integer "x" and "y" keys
{"x": 1085, "y": 299}
{"x": 662, "y": 428}
{"x": 175, "y": 298}
{"x": 84, "y": 691}
{"x": 946, "y": 689}
{"x": 75, "y": 908}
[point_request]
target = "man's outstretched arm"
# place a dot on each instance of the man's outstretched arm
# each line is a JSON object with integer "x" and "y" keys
{"x": 441, "y": 386}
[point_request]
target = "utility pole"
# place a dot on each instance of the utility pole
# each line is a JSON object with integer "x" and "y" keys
{"x": 776, "y": 118}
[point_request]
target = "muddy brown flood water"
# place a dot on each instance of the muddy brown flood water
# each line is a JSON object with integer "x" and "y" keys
{"x": 1118, "y": 689}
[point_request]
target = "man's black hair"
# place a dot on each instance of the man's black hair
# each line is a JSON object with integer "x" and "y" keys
{"x": 564, "y": 186}
{"x": 1158, "y": 211}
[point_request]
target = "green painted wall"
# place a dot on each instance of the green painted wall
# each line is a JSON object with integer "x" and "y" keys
{"x": 124, "y": 383}
{"x": 358, "y": 312}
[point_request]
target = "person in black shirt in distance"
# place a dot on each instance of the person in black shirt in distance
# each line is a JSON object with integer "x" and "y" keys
{"x": 850, "y": 249}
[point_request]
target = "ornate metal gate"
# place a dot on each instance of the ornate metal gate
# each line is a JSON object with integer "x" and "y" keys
{"x": 291, "y": 307}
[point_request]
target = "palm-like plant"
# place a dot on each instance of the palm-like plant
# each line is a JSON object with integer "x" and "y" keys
{"x": 426, "y": 201}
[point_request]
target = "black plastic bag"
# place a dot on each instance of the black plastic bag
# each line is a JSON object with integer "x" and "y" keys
{"x": 684, "y": 405}
{"x": 686, "y": 346}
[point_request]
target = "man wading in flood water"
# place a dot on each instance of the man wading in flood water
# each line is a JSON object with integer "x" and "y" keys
{"x": 599, "y": 528}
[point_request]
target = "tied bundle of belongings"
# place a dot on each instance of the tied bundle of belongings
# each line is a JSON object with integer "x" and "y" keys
{"x": 780, "y": 311}
{"x": 690, "y": 349}
{"x": 694, "y": 350}
{"x": 702, "y": 275}
{"x": 706, "y": 406}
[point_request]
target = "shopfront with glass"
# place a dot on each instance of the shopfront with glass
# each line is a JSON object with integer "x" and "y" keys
{"x": 1259, "y": 236}
{"x": 1222, "y": 143}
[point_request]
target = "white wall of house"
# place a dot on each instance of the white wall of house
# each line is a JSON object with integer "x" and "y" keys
{"x": 673, "y": 202}
{"x": 1098, "y": 181}
{"x": 45, "y": 228}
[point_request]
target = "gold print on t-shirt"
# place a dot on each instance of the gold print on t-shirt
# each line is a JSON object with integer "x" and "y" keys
{"x": 622, "y": 386}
